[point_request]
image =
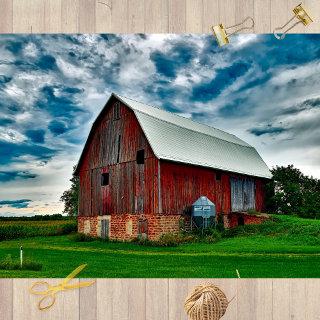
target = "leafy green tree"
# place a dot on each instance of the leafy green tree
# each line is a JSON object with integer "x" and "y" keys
{"x": 292, "y": 192}
{"x": 70, "y": 197}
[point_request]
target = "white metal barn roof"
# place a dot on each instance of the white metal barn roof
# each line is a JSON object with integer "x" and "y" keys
{"x": 179, "y": 139}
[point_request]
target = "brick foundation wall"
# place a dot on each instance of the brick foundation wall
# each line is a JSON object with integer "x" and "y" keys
{"x": 231, "y": 220}
{"x": 156, "y": 225}
{"x": 123, "y": 226}
{"x": 88, "y": 225}
{"x": 126, "y": 226}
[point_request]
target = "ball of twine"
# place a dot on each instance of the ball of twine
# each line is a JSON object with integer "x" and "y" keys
{"x": 206, "y": 302}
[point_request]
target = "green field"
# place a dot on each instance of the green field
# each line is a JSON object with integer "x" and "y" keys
{"x": 287, "y": 247}
{"x": 14, "y": 229}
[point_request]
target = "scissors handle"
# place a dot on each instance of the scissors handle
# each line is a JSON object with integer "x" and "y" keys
{"x": 35, "y": 288}
{"x": 47, "y": 301}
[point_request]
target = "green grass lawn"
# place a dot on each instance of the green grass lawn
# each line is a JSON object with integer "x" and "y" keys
{"x": 289, "y": 247}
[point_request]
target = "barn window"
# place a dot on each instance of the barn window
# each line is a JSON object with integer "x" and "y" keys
{"x": 140, "y": 156}
{"x": 218, "y": 176}
{"x": 116, "y": 111}
{"x": 105, "y": 179}
{"x": 119, "y": 144}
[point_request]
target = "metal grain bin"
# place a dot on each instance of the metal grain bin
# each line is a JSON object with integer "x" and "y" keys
{"x": 203, "y": 212}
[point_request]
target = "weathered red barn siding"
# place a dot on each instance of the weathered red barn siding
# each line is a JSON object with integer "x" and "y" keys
{"x": 132, "y": 187}
{"x": 183, "y": 184}
{"x": 133, "y": 195}
{"x": 260, "y": 194}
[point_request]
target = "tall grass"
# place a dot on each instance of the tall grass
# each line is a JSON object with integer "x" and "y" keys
{"x": 8, "y": 263}
{"x": 9, "y": 231}
{"x": 301, "y": 231}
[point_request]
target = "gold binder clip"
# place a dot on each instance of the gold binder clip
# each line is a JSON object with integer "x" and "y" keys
{"x": 220, "y": 32}
{"x": 299, "y": 13}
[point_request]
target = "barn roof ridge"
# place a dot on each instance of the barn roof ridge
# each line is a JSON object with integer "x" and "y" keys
{"x": 180, "y": 116}
{"x": 183, "y": 141}
{"x": 176, "y": 138}
{"x": 203, "y": 133}
{"x": 243, "y": 143}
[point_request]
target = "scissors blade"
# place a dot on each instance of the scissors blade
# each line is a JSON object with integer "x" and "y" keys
{"x": 74, "y": 273}
{"x": 80, "y": 285}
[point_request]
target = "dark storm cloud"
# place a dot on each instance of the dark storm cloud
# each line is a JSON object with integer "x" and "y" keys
{"x": 267, "y": 130}
{"x": 60, "y": 106}
{"x": 169, "y": 63}
{"x": 18, "y": 204}
{"x": 36, "y": 136}
{"x": 46, "y": 62}
{"x": 313, "y": 103}
{"x": 305, "y": 105}
{"x": 12, "y": 151}
{"x": 225, "y": 77}
{"x": 259, "y": 81}
{"x": 270, "y": 53}
{"x": 6, "y": 121}
{"x": 4, "y": 79}
{"x": 6, "y": 176}
{"x": 15, "y": 46}
{"x": 58, "y": 127}
{"x": 209, "y": 50}
{"x": 237, "y": 108}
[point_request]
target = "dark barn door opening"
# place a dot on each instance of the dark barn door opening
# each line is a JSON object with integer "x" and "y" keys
{"x": 240, "y": 221}
{"x": 242, "y": 194}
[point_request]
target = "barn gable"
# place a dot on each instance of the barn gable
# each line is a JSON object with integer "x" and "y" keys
{"x": 111, "y": 178}
{"x": 179, "y": 139}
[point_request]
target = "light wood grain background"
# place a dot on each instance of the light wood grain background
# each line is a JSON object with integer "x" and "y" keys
{"x": 153, "y": 299}
{"x": 163, "y": 299}
{"x": 150, "y": 16}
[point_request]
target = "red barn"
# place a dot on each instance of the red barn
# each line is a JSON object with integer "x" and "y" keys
{"x": 142, "y": 168}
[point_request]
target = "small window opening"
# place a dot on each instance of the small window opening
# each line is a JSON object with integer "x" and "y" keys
{"x": 218, "y": 176}
{"x": 105, "y": 179}
{"x": 119, "y": 144}
{"x": 140, "y": 156}
{"x": 116, "y": 111}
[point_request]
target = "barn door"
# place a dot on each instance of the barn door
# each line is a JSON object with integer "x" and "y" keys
{"x": 249, "y": 199}
{"x": 242, "y": 194}
{"x": 104, "y": 228}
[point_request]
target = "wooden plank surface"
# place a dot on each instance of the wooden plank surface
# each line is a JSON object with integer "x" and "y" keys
{"x": 6, "y": 16}
{"x": 141, "y": 299}
{"x": 6, "y": 298}
{"x": 150, "y": 16}
{"x": 52, "y": 21}
{"x": 177, "y": 16}
{"x": 145, "y": 299}
{"x": 194, "y": 16}
{"x": 70, "y": 16}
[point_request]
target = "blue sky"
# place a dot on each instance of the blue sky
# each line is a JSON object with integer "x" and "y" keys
{"x": 52, "y": 87}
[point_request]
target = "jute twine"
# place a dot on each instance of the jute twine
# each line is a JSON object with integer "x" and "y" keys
{"x": 206, "y": 302}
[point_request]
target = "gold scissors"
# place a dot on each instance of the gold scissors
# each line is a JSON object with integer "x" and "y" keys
{"x": 49, "y": 292}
